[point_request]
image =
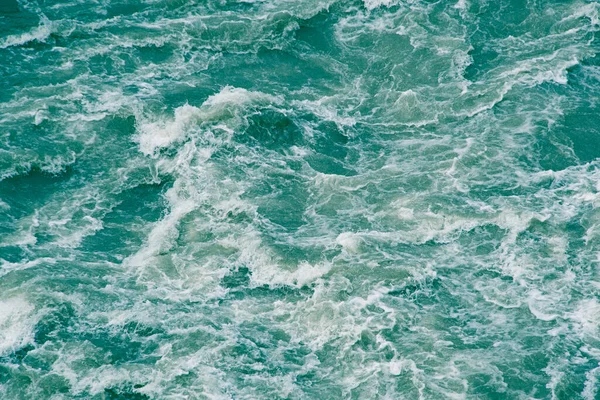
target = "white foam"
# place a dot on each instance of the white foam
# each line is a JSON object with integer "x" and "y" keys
{"x": 164, "y": 232}
{"x": 590, "y": 390}
{"x": 4, "y": 205}
{"x": 541, "y": 306}
{"x": 461, "y": 5}
{"x": 40, "y": 116}
{"x": 587, "y": 317}
{"x": 103, "y": 377}
{"x": 372, "y": 4}
{"x": 588, "y": 10}
{"x": 160, "y": 134}
{"x": 327, "y": 109}
{"x": 349, "y": 241}
{"x": 39, "y": 33}
{"x": 267, "y": 269}
{"x": 223, "y": 105}
{"x": 304, "y": 273}
{"x": 7, "y": 267}
{"x": 16, "y": 324}
{"x": 527, "y": 72}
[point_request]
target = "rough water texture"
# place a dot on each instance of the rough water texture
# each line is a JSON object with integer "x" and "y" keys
{"x": 311, "y": 199}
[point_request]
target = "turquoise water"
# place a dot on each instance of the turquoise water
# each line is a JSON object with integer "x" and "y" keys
{"x": 311, "y": 199}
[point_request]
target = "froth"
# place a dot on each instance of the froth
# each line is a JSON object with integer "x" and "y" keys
{"x": 218, "y": 107}
{"x": 39, "y": 33}
{"x": 16, "y": 324}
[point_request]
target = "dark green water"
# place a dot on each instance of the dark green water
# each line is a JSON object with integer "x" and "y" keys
{"x": 311, "y": 199}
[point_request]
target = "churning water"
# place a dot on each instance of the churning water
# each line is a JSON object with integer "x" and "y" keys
{"x": 307, "y": 199}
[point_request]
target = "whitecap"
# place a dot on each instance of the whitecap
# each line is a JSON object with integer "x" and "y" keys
{"x": 17, "y": 321}
{"x": 39, "y": 33}
{"x": 223, "y": 105}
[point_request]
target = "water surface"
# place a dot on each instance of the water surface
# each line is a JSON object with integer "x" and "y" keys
{"x": 311, "y": 199}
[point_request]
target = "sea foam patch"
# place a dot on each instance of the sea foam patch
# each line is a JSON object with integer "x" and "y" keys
{"x": 223, "y": 105}
{"x": 17, "y": 320}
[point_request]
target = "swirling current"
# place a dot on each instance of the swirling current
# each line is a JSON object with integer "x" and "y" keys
{"x": 309, "y": 199}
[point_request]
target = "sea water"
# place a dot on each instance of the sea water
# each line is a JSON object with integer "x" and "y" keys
{"x": 308, "y": 199}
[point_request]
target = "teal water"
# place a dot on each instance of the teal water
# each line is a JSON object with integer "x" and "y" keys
{"x": 310, "y": 199}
